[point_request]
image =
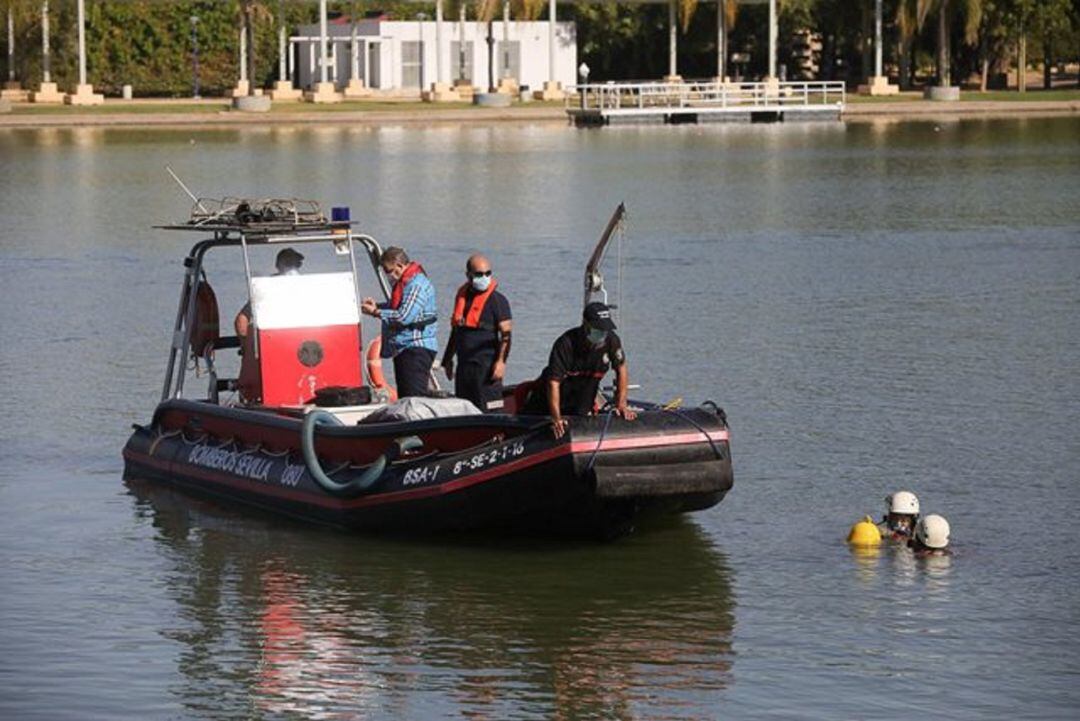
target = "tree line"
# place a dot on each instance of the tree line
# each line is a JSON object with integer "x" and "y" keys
{"x": 149, "y": 44}
{"x": 924, "y": 41}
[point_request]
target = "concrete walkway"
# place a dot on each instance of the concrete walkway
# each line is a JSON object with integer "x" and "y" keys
{"x": 434, "y": 115}
{"x": 382, "y": 115}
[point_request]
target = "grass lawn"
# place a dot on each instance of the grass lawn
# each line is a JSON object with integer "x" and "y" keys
{"x": 974, "y": 95}
{"x": 118, "y": 108}
{"x": 1013, "y": 96}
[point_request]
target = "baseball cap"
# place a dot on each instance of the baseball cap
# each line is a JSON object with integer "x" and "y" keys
{"x": 598, "y": 316}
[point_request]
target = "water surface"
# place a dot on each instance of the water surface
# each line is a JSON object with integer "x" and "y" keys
{"x": 876, "y": 305}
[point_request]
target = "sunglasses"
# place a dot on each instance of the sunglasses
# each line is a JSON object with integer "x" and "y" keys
{"x": 479, "y": 273}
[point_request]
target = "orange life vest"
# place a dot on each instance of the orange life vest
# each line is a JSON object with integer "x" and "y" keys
{"x": 470, "y": 318}
{"x": 398, "y": 292}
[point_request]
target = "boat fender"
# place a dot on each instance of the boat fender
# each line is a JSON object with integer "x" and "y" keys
{"x": 373, "y": 359}
{"x": 368, "y": 478}
{"x": 864, "y": 533}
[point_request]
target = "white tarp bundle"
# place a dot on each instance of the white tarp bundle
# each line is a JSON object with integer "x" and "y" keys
{"x": 416, "y": 408}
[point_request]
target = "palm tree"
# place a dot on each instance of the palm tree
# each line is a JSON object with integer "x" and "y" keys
{"x": 21, "y": 13}
{"x": 251, "y": 11}
{"x": 527, "y": 9}
{"x": 910, "y": 16}
{"x": 687, "y": 8}
{"x": 46, "y": 55}
{"x": 11, "y": 43}
{"x": 17, "y": 12}
{"x": 485, "y": 13}
{"x": 727, "y": 12}
{"x": 247, "y": 27}
{"x": 486, "y": 10}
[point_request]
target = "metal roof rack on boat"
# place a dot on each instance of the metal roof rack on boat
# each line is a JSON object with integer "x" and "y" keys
{"x": 258, "y": 217}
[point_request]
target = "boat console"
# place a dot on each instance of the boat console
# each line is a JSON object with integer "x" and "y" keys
{"x": 306, "y": 337}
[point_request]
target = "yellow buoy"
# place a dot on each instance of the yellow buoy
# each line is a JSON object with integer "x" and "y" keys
{"x": 864, "y": 533}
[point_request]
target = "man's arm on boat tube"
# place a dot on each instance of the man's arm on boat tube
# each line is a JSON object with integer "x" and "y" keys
{"x": 558, "y": 423}
{"x": 553, "y": 377}
{"x": 622, "y": 376}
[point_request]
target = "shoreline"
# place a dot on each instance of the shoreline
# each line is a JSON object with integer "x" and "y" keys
{"x": 859, "y": 111}
{"x": 960, "y": 109}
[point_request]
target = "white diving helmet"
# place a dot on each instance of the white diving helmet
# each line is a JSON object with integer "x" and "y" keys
{"x": 904, "y": 502}
{"x": 932, "y": 531}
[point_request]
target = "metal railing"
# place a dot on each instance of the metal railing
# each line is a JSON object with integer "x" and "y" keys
{"x": 704, "y": 96}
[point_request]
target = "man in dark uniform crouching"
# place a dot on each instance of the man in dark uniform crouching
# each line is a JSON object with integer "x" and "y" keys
{"x": 579, "y": 360}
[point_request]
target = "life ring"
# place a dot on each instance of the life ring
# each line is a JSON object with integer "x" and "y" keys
{"x": 206, "y": 327}
{"x": 373, "y": 358}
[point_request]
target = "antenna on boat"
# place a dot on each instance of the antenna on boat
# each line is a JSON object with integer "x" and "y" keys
{"x": 185, "y": 189}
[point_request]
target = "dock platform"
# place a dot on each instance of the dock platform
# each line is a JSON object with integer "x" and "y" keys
{"x": 707, "y": 101}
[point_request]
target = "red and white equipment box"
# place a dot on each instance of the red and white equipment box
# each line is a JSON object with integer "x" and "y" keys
{"x": 308, "y": 335}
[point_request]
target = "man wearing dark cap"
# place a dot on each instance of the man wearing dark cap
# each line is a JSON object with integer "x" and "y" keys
{"x": 579, "y": 360}
{"x": 288, "y": 262}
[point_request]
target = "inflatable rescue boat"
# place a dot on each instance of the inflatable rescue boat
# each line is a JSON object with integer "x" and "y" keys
{"x": 309, "y": 429}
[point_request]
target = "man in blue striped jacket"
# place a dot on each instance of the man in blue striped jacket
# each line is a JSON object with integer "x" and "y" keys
{"x": 409, "y": 324}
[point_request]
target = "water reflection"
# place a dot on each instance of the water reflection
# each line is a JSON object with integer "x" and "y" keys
{"x": 332, "y": 625}
{"x": 867, "y": 559}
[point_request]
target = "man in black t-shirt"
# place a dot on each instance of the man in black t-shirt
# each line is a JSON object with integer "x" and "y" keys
{"x": 480, "y": 332}
{"x": 579, "y": 360}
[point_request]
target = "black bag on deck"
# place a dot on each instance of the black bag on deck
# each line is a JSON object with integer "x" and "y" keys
{"x": 336, "y": 396}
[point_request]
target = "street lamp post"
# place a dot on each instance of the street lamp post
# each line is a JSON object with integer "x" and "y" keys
{"x": 195, "y": 55}
{"x": 583, "y": 73}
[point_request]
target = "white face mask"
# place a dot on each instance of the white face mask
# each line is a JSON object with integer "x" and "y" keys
{"x": 292, "y": 271}
{"x": 481, "y": 282}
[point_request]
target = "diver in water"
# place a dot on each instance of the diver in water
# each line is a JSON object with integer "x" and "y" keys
{"x": 931, "y": 537}
{"x": 903, "y": 515}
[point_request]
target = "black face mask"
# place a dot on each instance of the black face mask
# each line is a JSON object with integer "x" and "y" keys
{"x": 595, "y": 336}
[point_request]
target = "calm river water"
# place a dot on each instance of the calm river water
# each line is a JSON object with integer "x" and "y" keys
{"x": 877, "y": 306}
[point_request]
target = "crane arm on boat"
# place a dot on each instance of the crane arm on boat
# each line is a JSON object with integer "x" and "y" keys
{"x": 594, "y": 279}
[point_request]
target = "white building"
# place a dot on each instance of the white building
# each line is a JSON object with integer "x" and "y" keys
{"x": 400, "y": 56}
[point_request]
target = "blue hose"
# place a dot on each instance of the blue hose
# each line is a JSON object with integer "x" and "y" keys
{"x": 363, "y": 482}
